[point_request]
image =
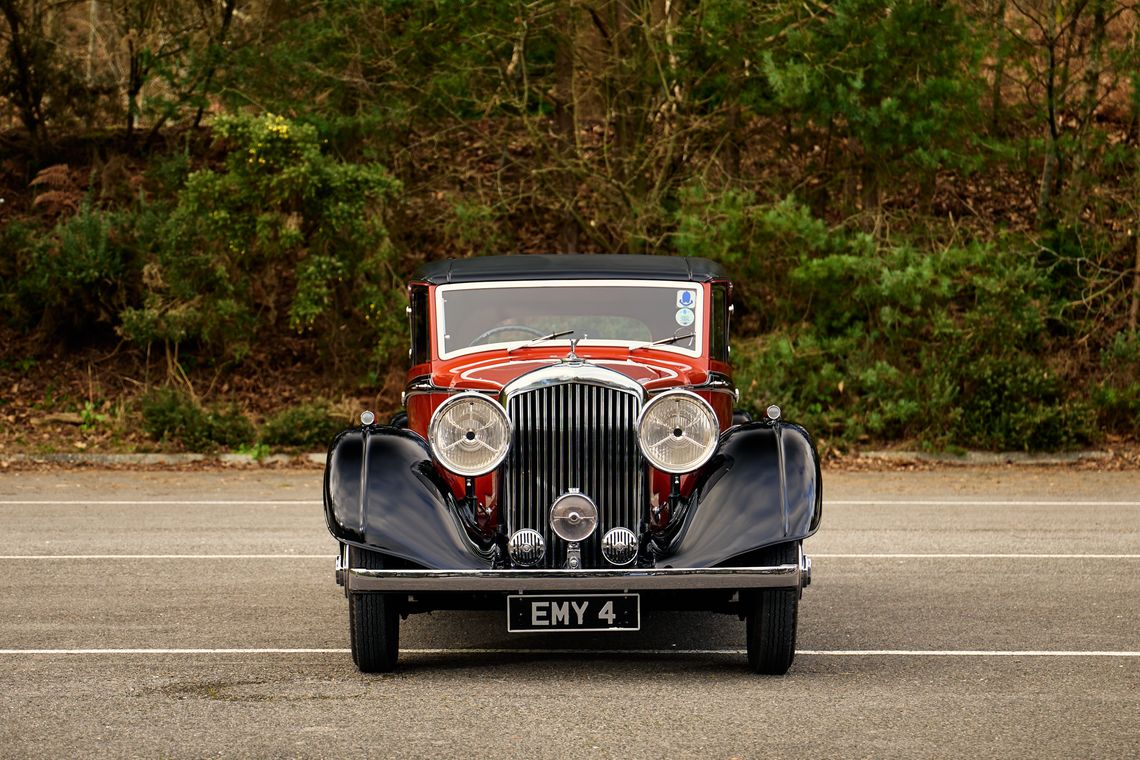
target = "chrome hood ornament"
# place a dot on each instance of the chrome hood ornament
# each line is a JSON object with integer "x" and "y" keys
{"x": 573, "y": 355}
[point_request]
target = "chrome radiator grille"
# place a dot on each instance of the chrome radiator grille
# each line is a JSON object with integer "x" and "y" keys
{"x": 567, "y": 436}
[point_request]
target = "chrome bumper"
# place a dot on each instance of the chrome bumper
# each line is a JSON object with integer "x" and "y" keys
{"x": 617, "y": 580}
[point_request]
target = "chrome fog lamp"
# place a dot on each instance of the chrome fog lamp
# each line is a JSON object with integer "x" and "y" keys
{"x": 678, "y": 431}
{"x": 469, "y": 434}
{"x": 527, "y": 547}
{"x": 573, "y": 517}
{"x": 619, "y": 546}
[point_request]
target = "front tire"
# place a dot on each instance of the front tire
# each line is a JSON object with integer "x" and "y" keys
{"x": 373, "y": 621}
{"x": 770, "y": 618}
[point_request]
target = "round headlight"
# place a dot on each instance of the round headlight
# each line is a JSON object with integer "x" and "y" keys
{"x": 469, "y": 434}
{"x": 678, "y": 431}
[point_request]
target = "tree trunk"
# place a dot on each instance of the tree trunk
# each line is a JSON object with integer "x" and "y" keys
{"x": 1134, "y": 311}
{"x": 870, "y": 197}
{"x": 219, "y": 45}
{"x": 1050, "y": 172}
{"x": 565, "y": 117}
{"x": 999, "y": 66}
{"x": 134, "y": 87}
{"x": 1094, "y": 63}
{"x": 92, "y": 22}
{"x": 26, "y": 90}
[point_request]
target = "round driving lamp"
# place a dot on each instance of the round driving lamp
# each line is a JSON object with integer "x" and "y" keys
{"x": 678, "y": 432}
{"x": 469, "y": 434}
{"x": 573, "y": 517}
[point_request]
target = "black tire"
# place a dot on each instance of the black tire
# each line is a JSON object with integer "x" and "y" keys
{"x": 373, "y": 621}
{"x": 770, "y": 618}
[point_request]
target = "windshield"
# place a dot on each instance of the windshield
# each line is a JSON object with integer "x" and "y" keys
{"x": 620, "y": 313}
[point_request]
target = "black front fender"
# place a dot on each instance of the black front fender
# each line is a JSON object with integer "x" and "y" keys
{"x": 763, "y": 487}
{"x": 382, "y": 492}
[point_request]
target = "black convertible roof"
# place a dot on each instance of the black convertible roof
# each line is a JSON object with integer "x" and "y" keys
{"x": 570, "y": 267}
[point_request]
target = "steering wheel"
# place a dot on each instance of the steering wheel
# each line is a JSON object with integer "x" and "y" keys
{"x": 506, "y": 328}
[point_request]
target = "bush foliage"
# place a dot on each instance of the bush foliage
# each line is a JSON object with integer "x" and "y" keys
{"x": 280, "y": 233}
{"x": 308, "y": 425}
{"x": 929, "y": 209}
{"x": 173, "y": 416}
{"x": 950, "y": 348}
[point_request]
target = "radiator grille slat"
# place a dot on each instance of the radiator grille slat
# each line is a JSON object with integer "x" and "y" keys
{"x": 572, "y": 435}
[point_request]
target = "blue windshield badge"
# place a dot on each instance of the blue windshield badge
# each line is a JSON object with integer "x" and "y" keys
{"x": 685, "y": 317}
{"x": 686, "y": 299}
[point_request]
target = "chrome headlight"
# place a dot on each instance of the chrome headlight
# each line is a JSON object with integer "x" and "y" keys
{"x": 678, "y": 431}
{"x": 469, "y": 434}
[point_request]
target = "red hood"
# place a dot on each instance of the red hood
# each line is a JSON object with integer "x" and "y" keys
{"x": 492, "y": 373}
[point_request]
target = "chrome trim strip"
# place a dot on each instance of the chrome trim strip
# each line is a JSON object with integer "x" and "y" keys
{"x": 473, "y": 581}
{"x": 572, "y": 372}
{"x": 422, "y": 384}
{"x": 716, "y": 383}
{"x": 699, "y": 328}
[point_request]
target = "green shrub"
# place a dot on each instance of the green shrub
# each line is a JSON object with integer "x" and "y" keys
{"x": 282, "y": 235}
{"x": 1116, "y": 394}
{"x": 16, "y": 242}
{"x": 228, "y": 427}
{"x": 309, "y": 425}
{"x": 170, "y": 415}
{"x": 79, "y": 273}
{"x": 758, "y": 243}
{"x": 945, "y": 349}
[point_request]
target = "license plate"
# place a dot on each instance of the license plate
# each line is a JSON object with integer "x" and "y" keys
{"x": 582, "y": 612}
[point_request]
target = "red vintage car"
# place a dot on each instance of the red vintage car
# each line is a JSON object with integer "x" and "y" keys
{"x": 570, "y": 455}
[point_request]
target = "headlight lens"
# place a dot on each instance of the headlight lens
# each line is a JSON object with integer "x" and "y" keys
{"x": 678, "y": 431}
{"x": 469, "y": 434}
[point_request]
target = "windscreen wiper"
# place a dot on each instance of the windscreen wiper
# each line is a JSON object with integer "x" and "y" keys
{"x": 539, "y": 340}
{"x": 662, "y": 341}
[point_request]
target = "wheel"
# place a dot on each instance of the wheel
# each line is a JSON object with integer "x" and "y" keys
{"x": 506, "y": 328}
{"x": 373, "y": 621}
{"x": 770, "y": 618}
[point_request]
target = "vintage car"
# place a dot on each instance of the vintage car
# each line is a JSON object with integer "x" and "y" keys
{"x": 569, "y": 454}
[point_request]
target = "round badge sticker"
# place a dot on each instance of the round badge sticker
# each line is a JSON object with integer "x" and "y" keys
{"x": 685, "y": 317}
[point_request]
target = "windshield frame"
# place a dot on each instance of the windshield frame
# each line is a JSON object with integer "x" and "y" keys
{"x": 699, "y": 325}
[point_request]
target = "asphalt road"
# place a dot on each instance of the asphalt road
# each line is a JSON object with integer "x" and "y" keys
{"x": 965, "y": 612}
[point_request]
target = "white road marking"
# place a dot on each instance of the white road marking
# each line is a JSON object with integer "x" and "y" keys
{"x": 318, "y": 502}
{"x": 173, "y": 651}
{"x": 332, "y": 555}
{"x": 506, "y": 650}
{"x": 815, "y": 555}
{"x": 811, "y": 652}
{"x": 157, "y": 502}
{"x": 960, "y": 653}
{"x": 972, "y": 503}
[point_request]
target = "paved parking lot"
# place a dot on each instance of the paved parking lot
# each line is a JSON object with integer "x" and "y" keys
{"x": 989, "y": 612}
